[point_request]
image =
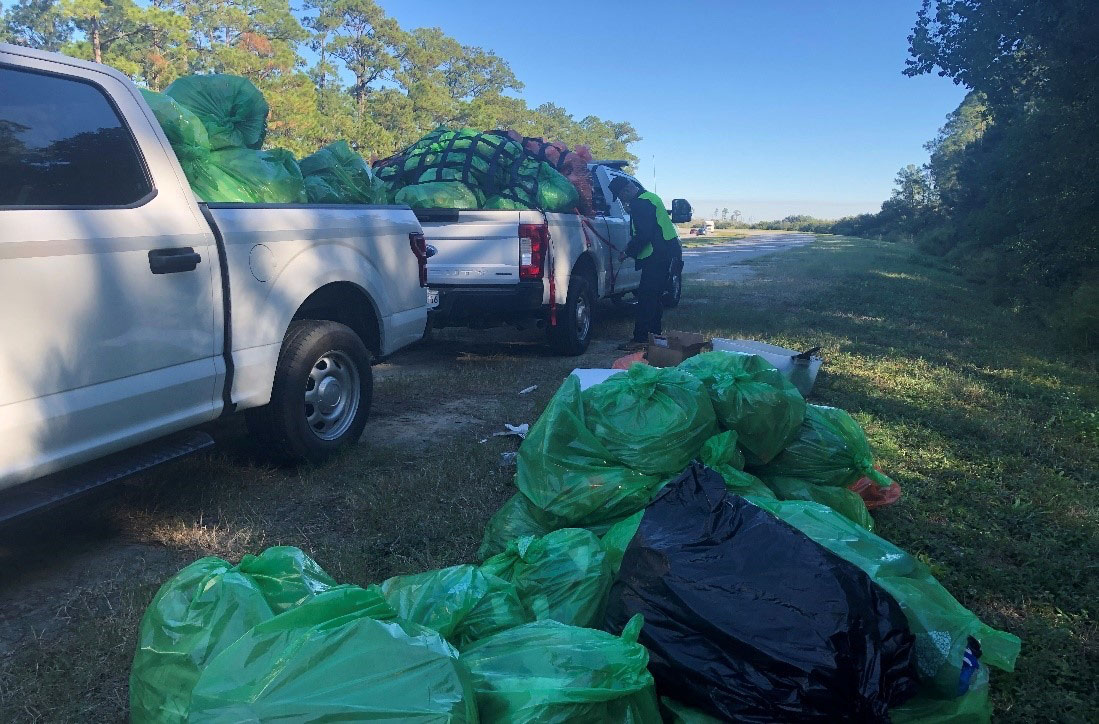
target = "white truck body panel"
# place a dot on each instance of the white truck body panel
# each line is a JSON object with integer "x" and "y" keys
{"x": 278, "y": 256}
{"x": 97, "y": 352}
{"x": 483, "y": 249}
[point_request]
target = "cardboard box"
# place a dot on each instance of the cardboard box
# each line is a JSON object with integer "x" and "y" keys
{"x": 671, "y": 348}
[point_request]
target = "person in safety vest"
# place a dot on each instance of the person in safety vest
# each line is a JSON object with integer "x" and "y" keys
{"x": 652, "y": 240}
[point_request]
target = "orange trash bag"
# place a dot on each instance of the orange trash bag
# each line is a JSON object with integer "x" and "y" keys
{"x": 623, "y": 363}
{"x": 874, "y": 495}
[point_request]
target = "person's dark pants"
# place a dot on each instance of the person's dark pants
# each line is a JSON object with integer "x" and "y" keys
{"x": 650, "y": 308}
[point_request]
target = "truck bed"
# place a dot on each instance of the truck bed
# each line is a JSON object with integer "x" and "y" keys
{"x": 271, "y": 275}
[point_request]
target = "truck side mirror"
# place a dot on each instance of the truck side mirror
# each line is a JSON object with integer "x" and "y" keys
{"x": 681, "y": 211}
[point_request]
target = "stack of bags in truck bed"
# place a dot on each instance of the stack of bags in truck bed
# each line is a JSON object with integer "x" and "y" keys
{"x": 467, "y": 169}
{"x": 217, "y": 124}
{"x": 683, "y": 546}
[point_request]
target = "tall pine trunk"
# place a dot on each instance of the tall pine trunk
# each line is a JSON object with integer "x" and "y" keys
{"x": 97, "y": 49}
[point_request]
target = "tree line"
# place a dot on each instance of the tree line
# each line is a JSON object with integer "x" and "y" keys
{"x": 1011, "y": 188}
{"x": 330, "y": 69}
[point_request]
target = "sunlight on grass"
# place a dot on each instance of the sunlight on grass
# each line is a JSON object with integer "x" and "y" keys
{"x": 989, "y": 427}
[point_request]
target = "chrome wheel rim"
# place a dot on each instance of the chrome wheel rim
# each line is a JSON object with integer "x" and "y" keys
{"x": 332, "y": 395}
{"x": 583, "y": 318}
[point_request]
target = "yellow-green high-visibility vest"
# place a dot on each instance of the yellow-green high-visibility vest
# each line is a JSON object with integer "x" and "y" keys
{"x": 667, "y": 228}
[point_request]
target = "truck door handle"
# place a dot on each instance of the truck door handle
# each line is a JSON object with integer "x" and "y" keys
{"x": 174, "y": 260}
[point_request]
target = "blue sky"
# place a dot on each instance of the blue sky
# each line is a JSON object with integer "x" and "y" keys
{"x": 772, "y": 108}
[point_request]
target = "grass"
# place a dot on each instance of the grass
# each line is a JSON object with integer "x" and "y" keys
{"x": 991, "y": 430}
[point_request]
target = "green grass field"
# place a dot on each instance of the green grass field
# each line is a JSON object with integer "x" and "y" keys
{"x": 991, "y": 430}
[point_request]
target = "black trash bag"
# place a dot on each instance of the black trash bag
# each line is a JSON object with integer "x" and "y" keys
{"x": 748, "y": 619}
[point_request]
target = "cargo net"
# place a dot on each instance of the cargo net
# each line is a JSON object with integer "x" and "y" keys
{"x": 572, "y": 164}
{"x": 489, "y": 170}
{"x": 484, "y": 161}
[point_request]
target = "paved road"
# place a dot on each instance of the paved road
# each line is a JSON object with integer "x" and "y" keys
{"x": 718, "y": 262}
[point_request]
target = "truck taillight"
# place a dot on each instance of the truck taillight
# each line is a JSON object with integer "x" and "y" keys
{"x": 533, "y": 242}
{"x": 419, "y": 248}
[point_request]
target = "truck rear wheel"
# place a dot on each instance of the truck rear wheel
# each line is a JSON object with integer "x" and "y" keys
{"x": 321, "y": 395}
{"x": 572, "y": 333}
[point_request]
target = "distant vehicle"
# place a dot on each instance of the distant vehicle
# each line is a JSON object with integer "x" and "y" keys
{"x": 133, "y": 312}
{"x": 497, "y": 267}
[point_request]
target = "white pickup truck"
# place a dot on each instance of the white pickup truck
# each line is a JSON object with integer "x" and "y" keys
{"x": 131, "y": 312}
{"x": 494, "y": 267}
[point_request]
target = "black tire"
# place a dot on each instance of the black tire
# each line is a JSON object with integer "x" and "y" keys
{"x": 671, "y": 298}
{"x": 572, "y": 333}
{"x": 312, "y": 349}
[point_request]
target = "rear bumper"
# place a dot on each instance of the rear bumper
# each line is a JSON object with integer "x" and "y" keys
{"x": 472, "y": 306}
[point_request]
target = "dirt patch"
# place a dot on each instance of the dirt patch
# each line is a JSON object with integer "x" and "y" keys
{"x": 45, "y": 588}
{"x": 415, "y": 430}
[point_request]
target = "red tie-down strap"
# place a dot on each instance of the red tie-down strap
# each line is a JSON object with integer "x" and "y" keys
{"x": 586, "y": 226}
{"x": 549, "y": 269}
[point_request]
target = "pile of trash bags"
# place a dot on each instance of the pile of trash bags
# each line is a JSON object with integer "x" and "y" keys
{"x": 678, "y": 549}
{"x": 467, "y": 169}
{"x": 217, "y": 124}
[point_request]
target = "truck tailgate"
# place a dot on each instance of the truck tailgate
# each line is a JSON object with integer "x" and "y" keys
{"x": 473, "y": 247}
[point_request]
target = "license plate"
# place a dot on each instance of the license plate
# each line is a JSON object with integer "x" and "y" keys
{"x": 432, "y": 298}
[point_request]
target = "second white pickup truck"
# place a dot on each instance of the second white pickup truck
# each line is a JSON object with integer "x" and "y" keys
{"x": 495, "y": 267}
{"x": 132, "y": 312}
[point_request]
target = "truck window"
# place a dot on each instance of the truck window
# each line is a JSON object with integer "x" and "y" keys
{"x": 598, "y": 197}
{"x": 62, "y": 143}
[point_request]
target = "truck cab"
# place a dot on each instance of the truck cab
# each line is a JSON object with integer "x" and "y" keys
{"x": 133, "y": 312}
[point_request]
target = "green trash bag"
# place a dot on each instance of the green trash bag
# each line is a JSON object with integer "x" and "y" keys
{"x": 184, "y": 131}
{"x": 844, "y": 501}
{"x": 616, "y": 540}
{"x": 337, "y": 175}
{"x": 679, "y": 713}
{"x": 567, "y": 478}
{"x": 563, "y": 576}
{"x": 555, "y": 192}
{"x": 247, "y": 176}
{"x": 721, "y": 453}
{"x": 516, "y": 518}
{"x": 286, "y": 576}
{"x": 752, "y": 397}
{"x": 438, "y": 195}
{"x": 651, "y": 419}
{"x": 970, "y": 708}
{"x": 203, "y": 609}
{"x": 829, "y": 449}
{"x": 500, "y": 203}
{"x": 230, "y": 106}
{"x": 332, "y": 659}
{"x": 195, "y": 615}
{"x": 829, "y": 453}
{"x": 551, "y": 672}
{"x": 181, "y": 126}
{"x": 941, "y": 625}
{"x": 462, "y": 603}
